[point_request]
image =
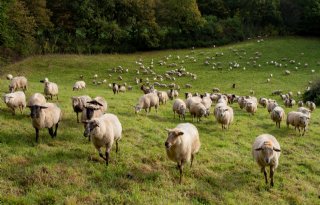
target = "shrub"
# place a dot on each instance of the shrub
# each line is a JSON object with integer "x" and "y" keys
{"x": 313, "y": 94}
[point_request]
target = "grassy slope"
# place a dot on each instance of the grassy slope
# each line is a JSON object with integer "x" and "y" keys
{"x": 65, "y": 169}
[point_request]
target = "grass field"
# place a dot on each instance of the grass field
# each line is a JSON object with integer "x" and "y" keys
{"x": 68, "y": 170}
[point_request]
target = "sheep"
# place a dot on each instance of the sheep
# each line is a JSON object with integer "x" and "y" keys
{"x": 182, "y": 144}
{"x": 115, "y": 88}
{"x": 172, "y": 93}
{"x": 145, "y": 89}
{"x": 37, "y": 99}
{"x": 192, "y": 100}
{"x": 287, "y": 72}
{"x": 207, "y": 102}
{"x": 187, "y": 95}
{"x": 15, "y": 100}
{"x": 146, "y": 102}
{"x": 79, "y": 85}
{"x": 276, "y": 92}
{"x": 198, "y": 110}
{"x": 18, "y": 82}
{"x": 122, "y": 88}
{"x": 104, "y": 131}
{"x": 78, "y": 104}
{"x": 179, "y": 107}
{"x": 289, "y": 102}
{"x": 298, "y": 119}
{"x": 94, "y": 108}
{"x": 271, "y": 105}
{"x": 251, "y": 107}
{"x": 50, "y": 89}
{"x": 188, "y": 85}
{"x": 224, "y": 115}
{"x": 47, "y": 115}
{"x": 163, "y": 97}
{"x": 217, "y": 90}
{"x": 263, "y": 102}
{"x": 266, "y": 152}
{"x": 277, "y": 115}
{"x": 300, "y": 103}
{"x": 305, "y": 111}
{"x": 311, "y": 105}
{"x": 9, "y": 77}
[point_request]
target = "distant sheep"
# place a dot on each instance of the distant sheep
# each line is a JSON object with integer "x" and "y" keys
{"x": 122, "y": 88}
{"x": 15, "y": 100}
{"x": 271, "y": 105}
{"x": 182, "y": 144}
{"x": 311, "y": 105}
{"x": 277, "y": 115}
{"x": 79, "y": 85}
{"x": 263, "y": 102}
{"x": 198, "y": 110}
{"x": 305, "y": 111}
{"x": 9, "y": 77}
{"x": 224, "y": 116}
{"x": 266, "y": 152}
{"x": 50, "y": 89}
{"x": 146, "y": 102}
{"x": 163, "y": 97}
{"x": 18, "y": 82}
{"x": 298, "y": 120}
{"x": 36, "y": 99}
{"x": 179, "y": 107}
{"x": 251, "y": 107}
{"x": 192, "y": 100}
{"x": 172, "y": 94}
{"x": 104, "y": 131}
{"x": 289, "y": 102}
{"x": 115, "y": 88}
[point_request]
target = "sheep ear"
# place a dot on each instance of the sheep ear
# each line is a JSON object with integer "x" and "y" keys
{"x": 179, "y": 133}
{"x": 43, "y": 107}
{"x": 258, "y": 149}
{"x": 85, "y": 121}
{"x": 225, "y": 109}
{"x": 277, "y": 150}
{"x": 167, "y": 129}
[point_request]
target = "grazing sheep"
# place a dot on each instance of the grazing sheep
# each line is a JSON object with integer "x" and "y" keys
{"x": 79, "y": 85}
{"x": 37, "y": 99}
{"x": 224, "y": 115}
{"x": 179, "y": 107}
{"x": 146, "y": 102}
{"x": 79, "y": 103}
{"x": 104, "y": 131}
{"x": 277, "y": 115}
{"x": 115, "y": 88}
{"x": 289, "y": 102}
{"x": 182, "y": 144}
{"x": 50, "y": 88}
{"x": 15, "y": 100}
{"x": 263, "y": 102}
{"x": 192, "y": 100}
{"x": 300, "y": 103}
{"x": 122, "y": 88}
{"x": 198, "y": 110}
{"x": 305, "y": 111}
{"x": 163, "y": 97}
{"x": 271, "y": 105}
{"x": 266, "y": 152}
{"x": 188, "y": 85}
{"x": 172, "y": 93}
{"x": 251, "y": 107}
{"x": 277, "y": 92}
{"x": 298, "y": 119}
{"x": 311, "y": 105}
{"x": 9, "y": 77}
{"x": 287, "y": 72}
{"x": 18, "y": 82}
{"x": 145, "y": 89}
{"x": 216, "y": 90}
{"x": 47, "y": 115}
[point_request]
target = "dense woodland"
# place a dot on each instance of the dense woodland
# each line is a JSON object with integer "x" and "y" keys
{"x": 103, "y": 26}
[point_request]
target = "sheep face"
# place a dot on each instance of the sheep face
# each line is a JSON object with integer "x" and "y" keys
{"x": 11, "y": 89}
{"x": 7, "y": 98}
{"x": 90, "y": 125}
{"x": 268, "y": 151}
{"x": 76, "y": 104}
{"x": 223, "y": 111}
{"x": 35, "y": 110}
{"x": 173, "y": 138}
{"x": 90, "y": 111}
{"x": 304, "y": 120}
{"x": 137, "y": 109}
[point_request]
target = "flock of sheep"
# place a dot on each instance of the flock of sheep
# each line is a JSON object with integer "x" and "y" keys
{"x": 183, "y": 141}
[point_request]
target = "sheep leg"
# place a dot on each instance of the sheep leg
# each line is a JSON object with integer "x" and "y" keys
{"x": 174, "y": 115}
{"x": 117, "y": 146}
{"x": 21, "y": 109}
{"x": 100, "y": 154}
{"x": 265, "y": 174}
{"x": 192, "y": 157}
{"x": 13, "y": 111}
{"x": 55, "y": 131}
{"x": 51, "y": 132}
{"x": 271, "y": 175}
{"x": 51, "y": 97}
{"x": 37, "y": 134}
{"x": 57, "y": 97}
{"x": 180, "y": 166}
{"x": 107, "y": 156}
{"x": 77, "y": 117}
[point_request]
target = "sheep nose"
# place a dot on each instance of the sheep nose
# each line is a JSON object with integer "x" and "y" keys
{"x": 167, "y": 144}
{"x": 267, "y": 161}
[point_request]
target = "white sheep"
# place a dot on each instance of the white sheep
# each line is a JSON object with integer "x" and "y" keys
{"x": 179, "y": 107}
{"x": 311, "y": 105}
{"x": 15, "y": 100}
{"x": 251, "y": 107}
{"x": 266, "y": 152}
{"x": 50, "y": 89}
{"x": 94, "y": 108}
{"x": 37, "y": 99}
{"x": 146, "y": 102}
{"x": 207, "y": 102}
{"x": 182, "y": 144}
{"x": 263, "y": 102}
{"x": 79, "y": 103}
{"x": 287, "y": 72}
{"x": 9, "y": 77}
{"x": 115, "y": 88}
{"x": 224, "y": 115}
{"x": 305, "y": 111}
{"x": 47, "y": 115}
{"x": 163, "y": 97}
{"x": 172, "y": 93}
{"x": 18, "y": 82}
{"x": 198, "y": 110}
{"x": 298, "y": 119}
{"x": 289, "y": 102}
{"x": 300, "y": 103}
{"x": 277, "y": 115}
{"x": 104, "y": 131}
{"x": 191, "y": 100}
{"x": 271, "y": 105}
{"x": 122, "y": 88}
{"x": 79, "y": 85}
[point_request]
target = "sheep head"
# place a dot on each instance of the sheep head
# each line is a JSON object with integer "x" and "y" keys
{"x": 35, "y": 110}
{"x": 90, "y": 125}
{"x": 173, "y": 137}
{"x": 268, "y": 151}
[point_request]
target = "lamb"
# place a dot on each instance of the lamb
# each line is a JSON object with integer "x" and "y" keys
{"x": 266, "y": 152}
{"x": 15, "y": 100}
{"x": 37, "y": 99}
{"x": 146, "y": 102}
{"x": 78, "y": 104}
{"x": 182, "y": 144}
{"x": 198, "y": 110}
{"x": 163, "y": 97}
{"x": 277, "y": 115}
{"x": 289, "y": 102}
{"x": 79, "y": 85}
{"x": 122, "y": 88}
{"x": 224, "y": 115}
{"x": 305, "y": 111}
{"x": 172, "y": 93}
{"x": 192, "y": 100}
{"x": 50, "y": 88}
{"x": 104, "y": 131}
{"x": 47, "y": 115}
{"x": 179, "y": 107}
{"x": 115, "y": 88}
{"x": 18, "y": 82}
{"x": 251, "y": 107}
{"x": 298, "y": 119}
{"x": 311, "y": 105}
{"x": 271, "y": 105}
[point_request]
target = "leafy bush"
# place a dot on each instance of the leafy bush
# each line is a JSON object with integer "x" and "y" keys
{"x": 313, "y": 94}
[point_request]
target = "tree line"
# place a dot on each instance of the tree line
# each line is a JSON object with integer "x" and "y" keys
{"x": 102, "y": 26}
